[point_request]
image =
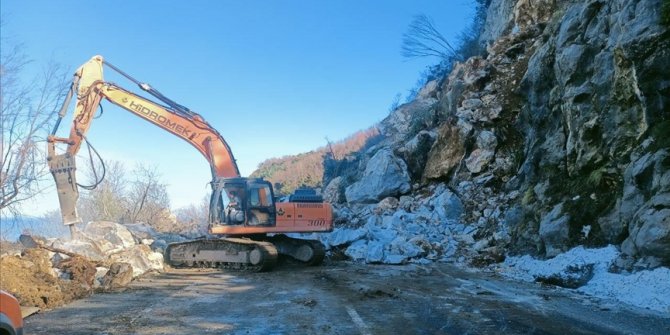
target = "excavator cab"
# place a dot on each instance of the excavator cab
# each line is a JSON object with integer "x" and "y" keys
{"x": 242, "y": 201}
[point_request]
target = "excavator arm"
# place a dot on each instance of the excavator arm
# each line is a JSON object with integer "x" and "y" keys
{"x": 91, "y": 89}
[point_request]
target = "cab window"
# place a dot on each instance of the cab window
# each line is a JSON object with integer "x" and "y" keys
{"x": 254, "y": 197}
{"x": 260, "y": 196}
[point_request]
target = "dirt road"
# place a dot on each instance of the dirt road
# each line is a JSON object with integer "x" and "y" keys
{"x": 343, "y": 298}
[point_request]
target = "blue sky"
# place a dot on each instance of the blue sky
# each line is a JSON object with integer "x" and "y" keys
{"x": 274, "y": 77}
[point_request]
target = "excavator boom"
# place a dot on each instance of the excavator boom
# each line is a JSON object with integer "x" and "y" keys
{"x": 91, "y": 89}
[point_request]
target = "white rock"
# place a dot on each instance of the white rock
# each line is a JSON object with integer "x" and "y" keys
{"x": 86, "y": 248}
{"x": 357, "y": 250}
{"x": 110, "y": 237}
{"x": 141, "y": 258}
{"x": 344, "y": 236}
{"x": 385, "y": 175}
{"x": 375, "y": 252}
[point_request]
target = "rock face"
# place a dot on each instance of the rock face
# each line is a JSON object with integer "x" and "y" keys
{"x": 557, "y": 137}
{"x": 499, "y": 17}
{"x": 646, "y": 202}
{"x": 585, "y": 122}
{"x": 384, "y": 175}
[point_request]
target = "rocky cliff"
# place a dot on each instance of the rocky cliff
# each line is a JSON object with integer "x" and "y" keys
{"x": 559, "y": 136}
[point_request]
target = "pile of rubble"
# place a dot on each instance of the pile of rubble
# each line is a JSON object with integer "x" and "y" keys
{"x": 409, "y": 229}
{"x": 101, "y": 256}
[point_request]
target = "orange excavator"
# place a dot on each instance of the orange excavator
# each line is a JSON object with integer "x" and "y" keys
{"x": 242, "y": 211}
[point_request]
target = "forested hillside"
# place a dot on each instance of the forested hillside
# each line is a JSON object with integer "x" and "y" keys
{"x": 290, "y": 172}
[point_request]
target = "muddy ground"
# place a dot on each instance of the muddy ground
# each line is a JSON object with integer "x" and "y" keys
{"x": 343, "y": 298}
{"x": 32, "y": 280}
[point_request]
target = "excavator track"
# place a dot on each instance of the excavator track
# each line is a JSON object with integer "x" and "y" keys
{"x": 227, "y": 253}
{"x": 308, "y": 252}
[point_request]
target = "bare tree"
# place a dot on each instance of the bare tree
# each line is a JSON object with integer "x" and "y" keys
{"x": 142, "y": 197}
{"x": 149, "y": 200}
{"x": 26, "y": 113}
{"x": 193, "y": 219}
{"x": 395, "y": 103}
{"x": 106, "y": 201}
{"x": 422, "y": 39}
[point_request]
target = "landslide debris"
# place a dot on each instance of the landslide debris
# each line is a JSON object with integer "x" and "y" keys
{"x": 48, "y": 273}
{"x": 34, "y": 282}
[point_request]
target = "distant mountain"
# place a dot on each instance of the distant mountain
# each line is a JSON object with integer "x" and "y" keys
{"x": 12, "y": 228}
{"x": 290, "y": 172}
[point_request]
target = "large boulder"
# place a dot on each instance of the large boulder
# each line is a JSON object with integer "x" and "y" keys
{"x": 415, "y": 152}
{"x": 142, "y": 231}
{"x": 109, "y": 237}
{"x": 650, "y": 230}
{"x": 141, "y": 258}
{"x": 385, "y": 175}
{"x": 119, "y": 275}
{"x": 342, "y": 236}
{"x": 110, "y": 241}
{"x": 554, "y": 231}
{"x": 446, "y": 153}
{"x": 408, "y": 119}
{"x": 446, "y": 205}
{"x": 574, "y": 276}
{"x": 97, "y": 240}
{"x": 87, "y": 248}
{"x": 333, "y": 191}
{"x": 483, "y": 154}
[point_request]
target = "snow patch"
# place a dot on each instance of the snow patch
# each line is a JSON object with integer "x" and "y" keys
{"x": 527, "y": 268}
{"x": 648, "y": 289}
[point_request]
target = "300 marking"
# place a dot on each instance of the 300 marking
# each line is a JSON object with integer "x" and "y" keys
{"x": 317, "y": 223}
